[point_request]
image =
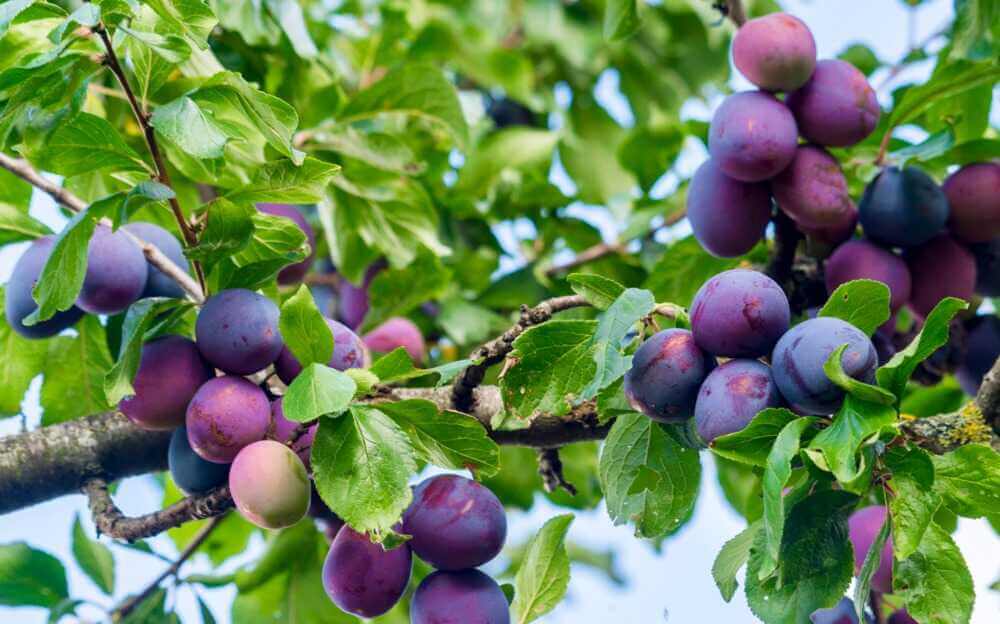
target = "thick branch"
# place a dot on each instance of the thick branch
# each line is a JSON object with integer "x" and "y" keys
{"x": 946, "y": 432}
{"x": 988, "y": 397}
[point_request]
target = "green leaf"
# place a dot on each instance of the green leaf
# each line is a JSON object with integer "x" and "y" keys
{"x": 647, "y": 477}
{"x": 86, "y": 15}
{"x": 445, "y": 438}
{"x": 362, "y": 463}
{"x": 383, "y": 151}
{"x": 872, "y": 560}
{"x": 934, "y": 581}
{"x": 598, "y": 290}
{"x": 276, "y": 243}
{"x": 619, "y": 319}
{"x": 9, "y": 12}
{"x": 228, "y": 229}
{"x": 75, "y": 369}
{"x": 395, "y": 292}
{"x": 543, "y": 577}
{"x": 816, "y": 561}
{"x": 968, "y": 479}
{"x": 682, "y": 269}
{"x": 171, "y": 48}
{"x": 186, "y": 125}
{"x": 30, "y": 577}
{"x": 189, "y": 18}
{"x": 731, "y": 558}
{"x": 138, "y": 319}
{"x": 947, "y": 82}
{"x": 752, "y": 444}
{"x": 287, "y": 182}
{"x": 914, "y": 501}
{"x": 304, "y": 329}
{"x": 417, "y": 89}
{"x": 621, "y": 19}
{"x": 88, "y": 143}
{"x": 95, "y": 558}
{"x": 24, "y": 360}
{"x": 834, "y": 369}
{"x": 514, "y": 148}
{"x": 863, "y": 303}
{"x": 931, "y": 147}
{"x": 971, "y": 33}
{"x": 289, "y": 16}
{"x": 397, "y": 366}
{"x": 856, "y": 423}
{"x": 318, "y": 391}
{"x": 934, "y": 334}
{"x": 776, "y": 475}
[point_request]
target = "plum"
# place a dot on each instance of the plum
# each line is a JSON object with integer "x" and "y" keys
{"x": 293, "y": 273}
{"x": 191, "y": 473}
{"x": 237, "y": 331}
{"x": 833, "y": 235}
{"x": 363, "y": 578}
{"x": 863, "y": 526}
{"x": 348, "y": 352}
{"x": 394, "y": 333}
{"x": 982, "y": 350}
{"x": 799, "y": 356}
{"x": 973, "y": 194}
{"x": 159, "y": 284}
{"x": 282, "y": 430}
{"x": 812, "y": 190}
{"x": 116, "y": 273}
{"x": 731, "y": 396}
{"x": 354, "y": 299}
{"x": 269, "y": 485}
{"x": 902, "y": 208}
{"x": 18, "y": 300}
{"x": 901, "y": 617}
{"x": 840, "y": 613}
{"x": 506, "y": 112}
{"x": 226, "y": 414}
{"x": 463, "y": 597}
{"x": 859, "y": 259}
{"x": 455, "y": 522}
{"x": 739, "y": 313}
{"x": 170, "y": 372}
{"x": 728, "y": 217}
{"x": 987, "y": 257}
{"x": 752, "y": 136}
{"x": 667, "y": 370}
{"x": 836, "y": 107}
{"x": 776, "y": 52}
{"x": 940, "y": 268}
{"x": 884, "y": 346}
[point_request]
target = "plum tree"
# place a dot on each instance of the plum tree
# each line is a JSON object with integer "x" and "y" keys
{"x": 455, "y": 522}
{"x": 269, "y": 485}
{"x": 739, "y": 313}
{"x": 812, "y": 190}
{"x": 776, "y": 52}
{"x": 752, "y": 136}
{"x": 461, "y": 597}
{"x": 282, "y": 429}
{"x": 293, "y": 273}
{"x": 863, "y": 526}
{"x": 940, "y": 268}
{"x": 116, "y": 273}
{"x": 973, "y": 194}
{"x": 394, "y": 333}
{"x": 667, "y": 370}
{"x": 982, "y": 348}
{"x": 987, "y": 256}
{"x": 348, "y": 352}
{"x": 237, "y": 331}
{"x": 226, "y": 414}
{"x": 798, "y": 359}
{"x": 171, "y": 370}
{"x": 19, "y": 302}
{"x": 836, "y": 107}
{"x": 363, "y": 578}
{"x": 731, "y": 396}
{"x": 157, "y": 283}
{"x": 840, "y": 613}
{"x": 727, "y": 216}
{"x": 902, "y": 208}
{"x": 860, "y": 259}
{"x": 191, "y": 473}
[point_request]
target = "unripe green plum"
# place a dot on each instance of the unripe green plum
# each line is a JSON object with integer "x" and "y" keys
{"x": 269, "y": 485}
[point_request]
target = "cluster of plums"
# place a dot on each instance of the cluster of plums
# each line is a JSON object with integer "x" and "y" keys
{"x": 743, "y": 315}
{"x": 455, "y": 524}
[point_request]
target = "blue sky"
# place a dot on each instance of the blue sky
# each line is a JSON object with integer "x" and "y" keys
{"x": 674, "y": 585}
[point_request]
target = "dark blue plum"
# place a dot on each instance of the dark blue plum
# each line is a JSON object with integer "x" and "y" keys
{"x": 798, "y": 359}
{"x": 191, "y": 473}
{"x": 157, "y": 283}
{"x": 902, "y": 208}
{"x": 974, "y": 198}
{"x": 840, "y": 613}
{"x": 666, "y": 372}
{"x": 982, "y": 350}
{"x": 116, "y": 273}
{"x": 363, "y": 578}
{"x": 732, "y": 395}
{"x": 455, "y": 523}
{"x": 18, "y": 302}
{"x": 987, "y": 256}
{"x": 739, "y": 313}
{"x": 463, "y": 597}
{"x": 237, "y": 331}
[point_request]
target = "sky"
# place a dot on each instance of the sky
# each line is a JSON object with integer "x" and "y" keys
{"x": 674, "y": 585}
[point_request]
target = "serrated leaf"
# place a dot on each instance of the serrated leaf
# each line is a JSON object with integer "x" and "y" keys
{"x": 947, "y": 81}
{"x": 75, "y": 368}
{"x": 834, "y": 369}
{"x": 731, "y": 558}
{"x": 752, "y": 444}
{"x": 88, "y": 143}
{"x": 138, "y": 319}
{"x": 394, "y": 292}
{"x": 318, "y": 391}
{"x": 543, "y": 577}
{"x": 445, "y": 438}
{"x": 24, "y": 360}
{"x": 362, "y": 463}
{"x": 228, "y": 229}
{"x": 599, "y": 291}
{"x": 186, "y": 125}
{"x": 95, "y": 558}
{"x": 616, "y": 322}
{"x": 188, "y": 18}
{"x": 284, "y": 181}
{"x": 397, "y": 366}
{"x": 968, "y": 479}
{"x": 914, "y": 501}
{"x": 863, "y": 303}
{"x": 304, "y": 329}
{"x": 637, "y": 446}
{"x": 855, "y": 424}
{"x": 30, "y": 577}
{"x": 934, "y": 581}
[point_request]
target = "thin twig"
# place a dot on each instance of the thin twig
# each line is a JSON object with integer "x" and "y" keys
{"x": 131, "y": 603}
{"x": 550, "y": 468}
{"x": 736, "y": 12}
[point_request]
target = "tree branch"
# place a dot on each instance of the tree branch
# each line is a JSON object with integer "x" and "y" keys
{"x": 550, "y": 468}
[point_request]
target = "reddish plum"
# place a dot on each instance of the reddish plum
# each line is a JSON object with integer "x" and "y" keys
{"x": 363, "y": 578}
{"x": 394, "y": 333}
{"x": 812, "y": 190}
{"x": 170, "y": 372}
{"x": 269, "y": 485}
{"x": 739, "y": 313}
{"x": 836, "y": 107}
{"x": 940, "y": 268}
{"x": 859, "y": 259}
{"x": 864, "y": 526}
{"x": 731, "y": 396}
{"x": 226, "y": 414}
{"x": 282, "y": 429}
{"x": 752, "y": 136}
{"x": 462, "y": 597}
{"x": 973, "y": 194}
{"x": 728, "y": 217}
{"x": 776, "y": 52}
